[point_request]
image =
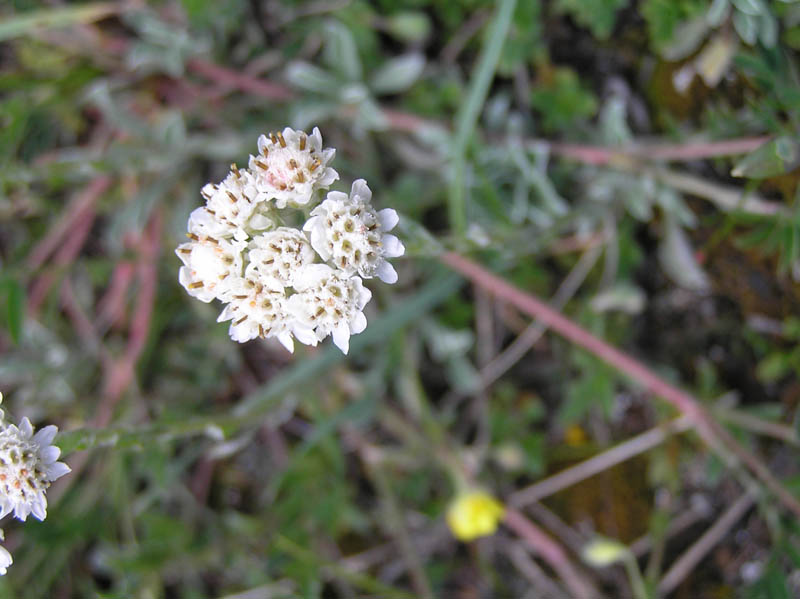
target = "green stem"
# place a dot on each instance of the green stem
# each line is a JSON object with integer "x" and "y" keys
{"x": 362, "y": 581}
{"x": 468, "y": 115}
{"x": 635, "y": 576}
{"x": 260, "y": 402}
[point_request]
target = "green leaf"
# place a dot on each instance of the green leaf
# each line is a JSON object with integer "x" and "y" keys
{"x": 409, "y": 26}
{"x": 598, "y": 16}
{"x": 398, "y": 74}
{"x": 718, "y": 12}
{"x": 676, "y": 256}
{"x": 750, "y": 7}
{"x": 746, "y": 26}
{"x": 562, "y": 100}
{"x": 311, "y": 78}
{"x": 774, "y": 367}
{"x": 341, "y": 52}
{"x": 51, "y": 18}
{"x": 775, "y": 157}
{"x": 686, "y": 38}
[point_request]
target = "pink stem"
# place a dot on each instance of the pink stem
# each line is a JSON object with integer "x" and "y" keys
{"x": 551, "y": 552}
{"x": 600, "y": 155}
{"x": 714, "y": 435}
{"x": 235, "y": 79}
{"x": 76, "y": 208}
{"x": 65, "y": 254}
{"x": 121, "y": 372}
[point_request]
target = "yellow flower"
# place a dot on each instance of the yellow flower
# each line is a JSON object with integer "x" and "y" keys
{"x": 474, "y": 514}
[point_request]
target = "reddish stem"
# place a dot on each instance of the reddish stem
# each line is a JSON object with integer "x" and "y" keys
{"x": 551, "y": 552}
{"x": 75, "y": 210}
{"x": 600, "y": 155}
{"x": 234, "y": 79}
{"x": 64, "y": 256}
{"x": 715, "y": 436}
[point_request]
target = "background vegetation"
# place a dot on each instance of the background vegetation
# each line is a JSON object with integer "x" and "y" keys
{"x": 630, "y": 161}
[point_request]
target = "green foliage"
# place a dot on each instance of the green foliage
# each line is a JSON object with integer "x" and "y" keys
{"x": 782, "y": 362}
{"x": 518, "y": 422}
{"x": 775, "y": 157}
{"x": 776, "y": 236}
{"x": 524, "y": 43}
{"x": 215, "y": 469}
{"x": 664, "y": 17}
{"x": 590, "y": 389}
{"x": 563, "y": 100}
{"x": 598, "y": 16}
{"x": 12, "y": 299}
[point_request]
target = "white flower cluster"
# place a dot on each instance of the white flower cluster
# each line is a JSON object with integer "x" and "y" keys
{"x": 276, "y": 280}
{"x": 28, "y": 464}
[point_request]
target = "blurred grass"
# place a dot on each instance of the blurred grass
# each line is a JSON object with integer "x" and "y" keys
{"x": 531, "y": 136}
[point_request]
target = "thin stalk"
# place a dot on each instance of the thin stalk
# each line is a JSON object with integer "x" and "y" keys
{"x": 467, "y": 117}
{"x": 362, "y": 581}
{"x": 635, "y": 576}
{"x": 265, "y": 398}
{"x": 716, "y": 437}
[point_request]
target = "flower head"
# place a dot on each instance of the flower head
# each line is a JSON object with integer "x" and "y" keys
{"x": 474, "y": 514}
{"x": 280, "y": 254}
{"x": 348, "y": 232}
{"x": 327, "y": 302}
{"x": 28, "y": 464}
{"x": 237, "y": 203}
{"x": 268, "y": 274}
{"x": 210, "y": 266}
{"x": 257, "y": 308}
{"x": 291, "y": 166}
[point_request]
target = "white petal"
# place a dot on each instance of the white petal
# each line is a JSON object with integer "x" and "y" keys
{"x": 312, "y": 222}
{"x": 336, "y": 196}
{"x": 290, "y": 136}
{"x": 319, "y": 242}
{"x": 287, "y": 341}
{"x": 46, "y": 435}
{"x": 341, "y": 338}
{"x": 310, "y": 275}
{"x": 361, "y": 190}
{"x": 327, "y": 156}
{"x": 57, "y": 470}
{"x": 363, "y": 294}
{"x": 392, "y": 246}
{"x": 259, "y": 222}
{"x": 328, "y": 177}
{"x": 358, "y": 324}
{"x": 315, "y": 139}
{"x": 39, "y": 509}
{"x": 185, "y": 278}
{"x": 262, "y": 143}
{"x": 5, "y": 560}
{"x": 386, "y": 272}
{"x": 243, "y": 332}
{"x": 226, "y": 314}
{"x": 49, "y": 454}
{"x": 388, "y": 219}
{"x": 305, "y": 335}
{"x": 26, "y": 428}
{"x": 184, "y": 256}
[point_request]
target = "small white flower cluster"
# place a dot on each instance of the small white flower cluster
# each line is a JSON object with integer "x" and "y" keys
{"x": 301, "y": 283}
{"x": 28, "y": 464}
